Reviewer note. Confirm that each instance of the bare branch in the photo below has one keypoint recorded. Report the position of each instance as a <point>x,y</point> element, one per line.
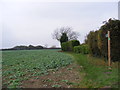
<point>72,35</point>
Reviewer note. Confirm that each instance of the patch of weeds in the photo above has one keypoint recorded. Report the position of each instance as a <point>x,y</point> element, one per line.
<point>66,81</point>
<point>36,78</point>
<point>56,86</point>
<point>47,80</point>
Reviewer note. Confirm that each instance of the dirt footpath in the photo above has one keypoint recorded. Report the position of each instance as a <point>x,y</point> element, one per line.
<point>65,77</point>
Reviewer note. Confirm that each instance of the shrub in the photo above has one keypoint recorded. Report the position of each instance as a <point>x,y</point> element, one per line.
<point>73,43</point>
<point>81,49</point>
<point>64,46</point>
<point>69,46</point>
<point>93,43</point>
<point>77,49</point>
<point>85,49</point>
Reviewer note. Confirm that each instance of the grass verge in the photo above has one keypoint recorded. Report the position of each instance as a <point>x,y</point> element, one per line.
<point>95,72</point>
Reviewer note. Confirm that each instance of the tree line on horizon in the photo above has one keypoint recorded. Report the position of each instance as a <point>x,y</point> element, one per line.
<point>30,47</point>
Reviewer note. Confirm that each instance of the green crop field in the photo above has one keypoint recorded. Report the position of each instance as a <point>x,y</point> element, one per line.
<point>56,69</point>
<point>21,65</point>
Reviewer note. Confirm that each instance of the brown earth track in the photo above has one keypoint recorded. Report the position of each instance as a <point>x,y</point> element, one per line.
<point>65,77</point>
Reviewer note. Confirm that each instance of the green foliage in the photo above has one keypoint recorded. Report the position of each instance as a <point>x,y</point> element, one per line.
<point>26,47</point>
<point>94,74</point>
<point>112,26</point>
<point>64,38</point>
<point>98,42</point>
<point>93,43</point>
<point>64,46</point>
<point>85,49</point>
<point>81,49</point>
<point>77,49</point>
<point>69,46</point>
<point>56,86</point>
<point>17,65</point>
<point>73,43</point>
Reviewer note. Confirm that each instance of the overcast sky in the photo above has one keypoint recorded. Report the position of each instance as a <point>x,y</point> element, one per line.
<point>25,23</point>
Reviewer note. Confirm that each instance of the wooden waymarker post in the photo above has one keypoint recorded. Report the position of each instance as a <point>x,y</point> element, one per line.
<point>109,59</point>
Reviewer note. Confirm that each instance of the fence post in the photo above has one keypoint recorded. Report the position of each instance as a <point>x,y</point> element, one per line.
<point>109,57</point>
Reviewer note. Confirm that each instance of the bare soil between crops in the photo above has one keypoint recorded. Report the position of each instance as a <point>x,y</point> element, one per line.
<point>65,77</point>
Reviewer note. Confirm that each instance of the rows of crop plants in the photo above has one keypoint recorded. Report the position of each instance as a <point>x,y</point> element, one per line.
<point>23,64</point>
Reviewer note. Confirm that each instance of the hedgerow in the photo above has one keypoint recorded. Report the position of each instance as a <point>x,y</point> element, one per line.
<point>69,46</point>
<point>98,42</point>
<point>81,49</point>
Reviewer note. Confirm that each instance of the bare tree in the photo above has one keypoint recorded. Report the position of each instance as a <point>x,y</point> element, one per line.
<point>72,35</point>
